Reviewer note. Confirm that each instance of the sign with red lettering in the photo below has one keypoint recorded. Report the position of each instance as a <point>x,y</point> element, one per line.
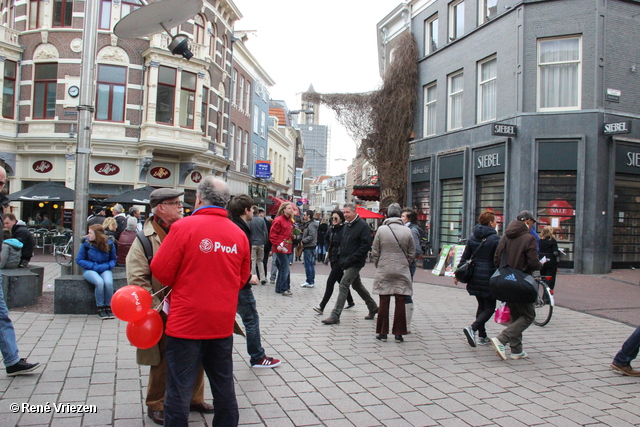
<point>42,166</point>
<point>196,176</point>
<point>160,172</point>
<point>106,169</point>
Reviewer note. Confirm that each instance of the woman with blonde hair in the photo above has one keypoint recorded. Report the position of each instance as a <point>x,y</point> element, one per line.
<point>97,256</point>
<point>282,245</point>
<point>549,248</point>
<point>110,226</point>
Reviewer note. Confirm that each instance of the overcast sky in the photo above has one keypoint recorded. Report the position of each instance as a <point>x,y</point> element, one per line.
<point>331,44</point>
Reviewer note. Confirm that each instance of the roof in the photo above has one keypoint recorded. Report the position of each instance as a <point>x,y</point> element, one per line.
<point>279,113</point>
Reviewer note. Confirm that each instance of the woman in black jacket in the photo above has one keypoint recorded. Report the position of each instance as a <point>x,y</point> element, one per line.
<point>483,269</point>
<point>549,248</point>
<point>334,239</point>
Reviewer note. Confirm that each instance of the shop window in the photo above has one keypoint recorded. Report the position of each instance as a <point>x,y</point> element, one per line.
<point>626,222</point>
<point>36,14</point>
<point>557,207</point>
<point>451,211</point>
<point>490,196</point>
<point>487,90</point>
<point>165,99</point>
<point>456,86</point>
<point>9,89</point>
<point>421,196</point>
<point>559,74</point>
<point>62,13</point>
<point>45,85</point>
<point>456,19</point>
<point>104,21</point>
<point>431,35</point>
<point>187,99</point>
<point>110,100</point>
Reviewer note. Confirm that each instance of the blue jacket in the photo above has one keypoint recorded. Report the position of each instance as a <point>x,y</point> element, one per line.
<point>483,261</point>
<point>91,258</point>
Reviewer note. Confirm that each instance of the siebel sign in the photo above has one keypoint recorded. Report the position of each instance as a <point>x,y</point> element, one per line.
<point>504,130</point>
<point>618,127</point>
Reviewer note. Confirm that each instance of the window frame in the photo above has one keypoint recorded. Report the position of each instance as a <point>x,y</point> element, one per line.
<point>232,142</point>
<point>247,94</point>
<point>63,14</point>
<point>483,11</point>
<point>104,8</point>
<point>428,33</point>
<point>38,21</point>
<point>427,109</point>
<point>239,132</point>
<point>130,5</point>
<point>13,79</point>
<point>450,96</point>
<point>173,103</point>
<point>481,83</point>
<point>234,86</point>
<point>47,83</point>
<point>240,93</point>
<point>190,103</point>
<point>199,29</point>
<point>111,94</point>
<point>539,74</point>
<point>455,32</point>
<point>204,111</point>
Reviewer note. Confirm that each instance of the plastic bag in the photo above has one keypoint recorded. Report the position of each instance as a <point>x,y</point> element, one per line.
<point>503,314</point>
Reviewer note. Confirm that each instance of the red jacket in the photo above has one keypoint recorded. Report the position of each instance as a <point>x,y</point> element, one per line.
<point>205,259</point>
<point>281,229</point>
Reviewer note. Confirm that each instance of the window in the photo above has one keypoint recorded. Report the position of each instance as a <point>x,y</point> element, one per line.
<point>213,43</point>
<point>431,35</point>
<point>110,100</point>
<point>245,148</point>
<point>129,6</point>
<point>456,19</point>
<point>255,157</point>
<point>36,14</point>
<point>256,119</point>
<point>559,74</point>
<point>247,97</point>
<point>232,141</point>
<point>487,10</point>
<point>234,86</point>
<point>240,94</point>
<point>62,12</point>
<point>238,145</point>
<point>456,82</point>
<point>9,89</point>
<point>204,111</point>
<point>165,100</point>
<point>487,73</point>
<point>8,15</point>
<point>198,26</point>
<point>430,94</point>
<point>105,15</point>
<point>263,122</point>
<point>187,99</point>
<point>45,85</point>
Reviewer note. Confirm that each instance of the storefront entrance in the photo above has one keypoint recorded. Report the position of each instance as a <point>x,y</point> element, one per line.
<point>626,222</point>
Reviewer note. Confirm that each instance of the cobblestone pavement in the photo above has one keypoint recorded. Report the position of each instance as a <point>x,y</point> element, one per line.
<point>340,375</point>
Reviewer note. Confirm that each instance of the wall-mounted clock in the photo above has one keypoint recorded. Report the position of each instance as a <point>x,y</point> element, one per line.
<point>73,91</point>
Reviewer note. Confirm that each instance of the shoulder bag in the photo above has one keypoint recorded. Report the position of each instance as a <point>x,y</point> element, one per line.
<point>512,285</point>
<point>394,236</point>
<point>464,273</point>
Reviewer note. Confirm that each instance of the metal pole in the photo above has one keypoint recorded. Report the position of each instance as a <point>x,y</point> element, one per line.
<point>85,116</point>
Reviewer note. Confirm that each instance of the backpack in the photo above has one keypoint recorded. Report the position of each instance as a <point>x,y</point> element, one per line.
<point>422,239</point>
<point>146,245</point>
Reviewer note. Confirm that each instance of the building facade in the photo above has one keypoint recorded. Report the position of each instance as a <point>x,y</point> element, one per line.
<point>530,105</point>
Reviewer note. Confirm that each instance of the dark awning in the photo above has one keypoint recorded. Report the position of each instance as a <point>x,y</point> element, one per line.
<point>367,192</point>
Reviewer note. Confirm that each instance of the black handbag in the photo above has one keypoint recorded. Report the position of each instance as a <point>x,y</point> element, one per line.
<point>509,284</point>
<point>464,273</point>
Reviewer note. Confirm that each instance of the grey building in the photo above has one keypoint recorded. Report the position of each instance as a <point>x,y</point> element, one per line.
<point>529,105</point>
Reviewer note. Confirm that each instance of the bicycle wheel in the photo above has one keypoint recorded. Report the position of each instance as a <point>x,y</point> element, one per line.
<point>63,256</point>
<point>543,306</point>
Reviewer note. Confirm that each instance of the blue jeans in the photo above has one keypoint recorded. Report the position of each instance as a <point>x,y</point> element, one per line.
<point>103,283</point>
<point>321,249</point>
<point>8,344</point>
<point>282,283</point>
<point>251,320</point>
<point>184,357</point>
<point>310,265</point>
<point>628,352</point>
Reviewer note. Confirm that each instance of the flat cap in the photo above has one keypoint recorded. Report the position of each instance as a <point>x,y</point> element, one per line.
<point>524,215</point>
<point>97,209</point>
<point>161,194</point>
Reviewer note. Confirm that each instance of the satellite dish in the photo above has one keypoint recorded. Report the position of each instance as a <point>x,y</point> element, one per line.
<point>155,17</point>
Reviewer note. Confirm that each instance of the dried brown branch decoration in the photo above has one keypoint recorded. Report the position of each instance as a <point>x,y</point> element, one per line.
<point>382,120</point>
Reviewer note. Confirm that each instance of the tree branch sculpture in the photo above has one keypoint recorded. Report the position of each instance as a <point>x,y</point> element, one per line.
<point>382,120</point>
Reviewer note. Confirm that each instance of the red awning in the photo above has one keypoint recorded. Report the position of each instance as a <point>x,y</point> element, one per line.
<point>367,192</point>
<point>366,213</point>
<point>277,201</point>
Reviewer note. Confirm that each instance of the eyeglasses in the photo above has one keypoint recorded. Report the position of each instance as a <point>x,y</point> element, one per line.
<point>177,203</point>
<point>335,218</point>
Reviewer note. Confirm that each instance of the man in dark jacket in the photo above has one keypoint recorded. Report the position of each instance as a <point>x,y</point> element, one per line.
<point>356,242</point>
<point>240,209</point>
<point>259,237</point>
<point>98,216</point>
<point>309,241</point>
<point>20,231</point>
<point>522,254</point>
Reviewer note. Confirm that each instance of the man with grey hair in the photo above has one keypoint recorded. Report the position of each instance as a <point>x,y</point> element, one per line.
<point>356,242</point>
<point>202,313</point>
<point>121,219</point>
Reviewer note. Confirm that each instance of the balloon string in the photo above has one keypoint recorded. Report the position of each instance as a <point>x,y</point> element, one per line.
<point>165,297</point>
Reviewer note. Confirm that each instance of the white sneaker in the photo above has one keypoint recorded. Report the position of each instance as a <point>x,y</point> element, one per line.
<point>304,285</point>
<point>499,348</point>
<point>516,356</point>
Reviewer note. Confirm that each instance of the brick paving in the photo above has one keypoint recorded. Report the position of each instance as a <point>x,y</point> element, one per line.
<point>340,375</point>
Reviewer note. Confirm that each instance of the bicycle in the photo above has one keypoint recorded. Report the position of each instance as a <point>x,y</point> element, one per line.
<point>64,253</point>
<point>544,303</point>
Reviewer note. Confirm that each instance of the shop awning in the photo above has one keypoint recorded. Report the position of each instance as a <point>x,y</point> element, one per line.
<point>367,192</point>
<point>277,201</point>
<point>366,213</point>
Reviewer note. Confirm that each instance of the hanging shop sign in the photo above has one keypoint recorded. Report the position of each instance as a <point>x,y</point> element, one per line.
<point>502,129</point>
<point>196,176</point>
<point>263,169</point>
<point>160,172</point>
<point>106,169</point>
<point>42,166</point>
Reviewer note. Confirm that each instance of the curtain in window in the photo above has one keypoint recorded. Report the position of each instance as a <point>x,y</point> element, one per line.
<point>488,90</point>
<point>430,122</point>
<point>559,73</point>
<point>456,101</point>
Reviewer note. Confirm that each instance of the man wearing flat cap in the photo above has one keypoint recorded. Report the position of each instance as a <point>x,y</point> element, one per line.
<point>528,218</point>
<point>98,216</point>
<point>166,208</point>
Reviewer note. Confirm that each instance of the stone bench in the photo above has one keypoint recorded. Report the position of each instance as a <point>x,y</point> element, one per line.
<point>36,269</point>
<point>20,287</point>
<point>74,295</point>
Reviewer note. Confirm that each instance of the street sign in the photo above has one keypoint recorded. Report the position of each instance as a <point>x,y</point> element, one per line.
<point>263,169</point>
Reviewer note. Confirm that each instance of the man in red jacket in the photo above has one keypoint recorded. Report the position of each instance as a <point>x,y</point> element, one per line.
<point>205,261</point>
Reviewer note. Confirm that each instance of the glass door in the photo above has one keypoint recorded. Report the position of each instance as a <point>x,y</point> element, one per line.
<point>626,222</point>
<point>557,207</point>
<point>490,196</point>
<point>451,211</point>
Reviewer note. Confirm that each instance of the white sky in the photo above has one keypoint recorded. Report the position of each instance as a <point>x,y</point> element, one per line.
<point>331,44</point>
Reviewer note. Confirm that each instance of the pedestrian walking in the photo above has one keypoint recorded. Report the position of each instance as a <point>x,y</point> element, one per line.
<point>281,236</point>
<point>259,237</point>
<point>628,352</point>
<point>549,249</point>
<point>309,243</point>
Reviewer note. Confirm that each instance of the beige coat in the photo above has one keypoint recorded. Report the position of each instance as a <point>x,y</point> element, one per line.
<point>392,259</point>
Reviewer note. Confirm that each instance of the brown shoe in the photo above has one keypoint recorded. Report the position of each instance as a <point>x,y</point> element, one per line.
<point>625,370</point>
<point>156,416</point>
<point>371,315</point>
<point>331,321</point>
<point>203,408</point>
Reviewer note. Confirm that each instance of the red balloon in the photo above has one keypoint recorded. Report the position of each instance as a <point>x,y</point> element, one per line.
<point>146,332</point>
<point>131,303</point>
